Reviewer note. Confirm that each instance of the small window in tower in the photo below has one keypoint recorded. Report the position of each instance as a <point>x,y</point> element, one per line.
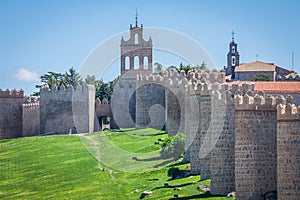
<point>136,38</point>
<point>233,49</point>
<point>136,62</point>
<point>146,63</point>
<point>127,63</point>
<point>233,61</point>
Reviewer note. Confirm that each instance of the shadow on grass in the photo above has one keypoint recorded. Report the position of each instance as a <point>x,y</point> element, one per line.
<point>176,164</point>
<point>167,161</point>
<point>173,186</point>
<point>198,196</point>
<point>155,134</point>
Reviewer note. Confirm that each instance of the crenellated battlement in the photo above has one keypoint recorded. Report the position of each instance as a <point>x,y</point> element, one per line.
<point>31,99</point>
<point>104,101</point>
<point>288,112</point>
<point>241,88</point>
<point>149,78</point>
<point>79,88</point>
<point>65,93</point>
<point>256,102</point>
<point>31,105</point>
<point>198,75</point>
<point>11,93</point>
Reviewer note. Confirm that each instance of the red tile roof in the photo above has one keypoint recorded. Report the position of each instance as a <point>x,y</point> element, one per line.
<point>273,87</point>
<point>256,67</point>
<point>284,87</point>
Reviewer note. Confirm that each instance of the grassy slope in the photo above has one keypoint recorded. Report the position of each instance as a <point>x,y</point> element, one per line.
<point>60,167</point>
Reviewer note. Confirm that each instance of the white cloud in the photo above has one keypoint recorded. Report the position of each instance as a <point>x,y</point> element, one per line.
<point>24,74</point>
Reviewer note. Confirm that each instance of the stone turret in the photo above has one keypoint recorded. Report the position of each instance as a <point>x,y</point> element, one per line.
<point>222,137</point>
<point>31,119</point>
<point>255,145</point>
<point>288,150</point>
<point>11,113</point>
<point>67,108</point>
<point>150,101</point>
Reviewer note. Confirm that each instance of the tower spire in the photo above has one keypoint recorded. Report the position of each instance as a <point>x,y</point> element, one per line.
<point>136,17</point>
<point>232,33</point>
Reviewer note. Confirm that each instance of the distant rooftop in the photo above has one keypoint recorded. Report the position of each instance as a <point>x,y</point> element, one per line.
<point>273,87</point>
<point>256,66</point>
<point>284,87</point>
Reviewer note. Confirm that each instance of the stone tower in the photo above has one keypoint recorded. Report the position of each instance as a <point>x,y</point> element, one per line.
<point>233,58</point>
<point>11,113</point>
<point>255,145</point>
<point>136,59</point>
<point>136,53</point>
<point>288,150</point>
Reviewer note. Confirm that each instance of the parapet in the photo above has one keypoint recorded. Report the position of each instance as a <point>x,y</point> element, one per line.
<point>31,105</point>
<point>143,78</point>
<point>288,112</point>
<point>63,93</point>
<point>11,93</point>
<point>243,87</point>
<point>256,102</point>
<point>31,99</point>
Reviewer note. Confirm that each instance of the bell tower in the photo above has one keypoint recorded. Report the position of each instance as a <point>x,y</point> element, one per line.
<point>136,53</point>
<point>233,58</point>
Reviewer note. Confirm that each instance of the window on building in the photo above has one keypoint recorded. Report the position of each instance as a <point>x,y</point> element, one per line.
<point>146,64</point>
<point>233,61</point>
<point>136,62</point>
<point>233,49</point>
<point>136,38</point>
<point>127,62</point>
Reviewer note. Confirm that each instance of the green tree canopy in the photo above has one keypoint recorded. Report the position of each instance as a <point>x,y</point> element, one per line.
<point>173,147</point>
<point>261,77</point>
<point>72,77</point>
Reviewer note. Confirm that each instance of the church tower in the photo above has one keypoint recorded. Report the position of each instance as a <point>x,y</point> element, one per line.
<point>233,58</point>
<point>136,53</point>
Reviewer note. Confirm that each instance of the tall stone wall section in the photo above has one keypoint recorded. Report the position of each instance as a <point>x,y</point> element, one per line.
<point>175,100</point>
<point>255,145</point>
<point>192,125</point>
<point>288,151</point>
<point>11,113</point>
<point>198,119</point>
<point>222,138</point>
<point>67,108</point>
<point>124,103</point>
<point>104,109</point>
<point>31,119</point>
<point>150,102</point>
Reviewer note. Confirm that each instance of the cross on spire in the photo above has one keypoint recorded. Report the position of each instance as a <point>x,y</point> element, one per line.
<point>232,33</point>
<point>136,17</point>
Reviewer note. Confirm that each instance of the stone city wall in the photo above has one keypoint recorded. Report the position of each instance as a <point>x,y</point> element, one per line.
<point>11,113</point>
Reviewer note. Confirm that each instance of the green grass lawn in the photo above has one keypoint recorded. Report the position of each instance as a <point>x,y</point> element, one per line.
<point>71,167</point>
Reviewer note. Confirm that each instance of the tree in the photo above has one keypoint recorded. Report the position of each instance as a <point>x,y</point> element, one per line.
<point>105,90</point>
<point>90,80</point>
<point>158,69</point>
<point>261,77</point>
<point>187,68</point>
<point>53,79</point>
<point>72,77</point>
<point>173,147</point>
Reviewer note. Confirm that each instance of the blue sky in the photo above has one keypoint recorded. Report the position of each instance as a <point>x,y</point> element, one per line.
<point>51,35</point>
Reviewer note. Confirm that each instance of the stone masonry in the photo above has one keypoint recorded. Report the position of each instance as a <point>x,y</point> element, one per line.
<point>150,102</point>
<point>255,146</point>
<point>67,108</point>
<point>288,151</point>
<point>11,113</point>
<point>31,119</point>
